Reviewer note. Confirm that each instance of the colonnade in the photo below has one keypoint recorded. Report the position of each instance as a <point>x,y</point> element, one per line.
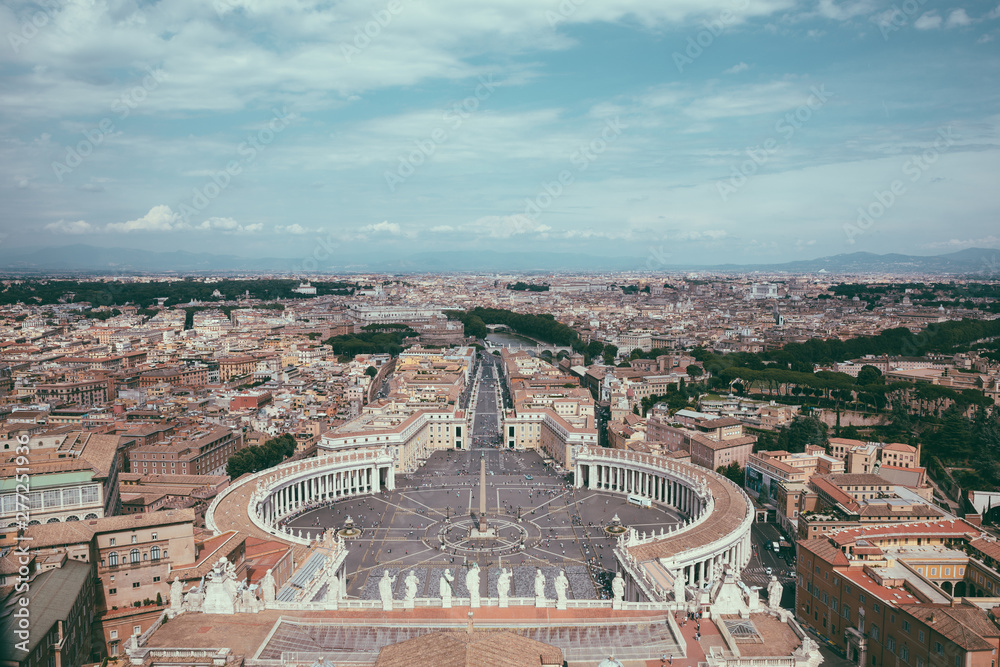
<point>325,486</point>
<point>704,497</point>
<point>652,486</point>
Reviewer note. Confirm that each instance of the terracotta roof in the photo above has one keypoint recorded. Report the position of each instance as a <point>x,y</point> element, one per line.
<point>825,550</point>
<point>967,625</point>
<point>469,649</point>
<point>78,532</point>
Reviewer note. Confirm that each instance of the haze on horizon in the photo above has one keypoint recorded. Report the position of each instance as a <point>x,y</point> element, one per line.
<point>713,130</point>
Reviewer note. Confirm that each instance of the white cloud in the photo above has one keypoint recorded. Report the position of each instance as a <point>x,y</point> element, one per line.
<point>294,228</point>
<point>442,229</point>
<point>75,227</point>
<point>843,11</point>
<point>990,241</point>
<point>702,235</point>
<point>159,219</point>
<point>228,226</point>
<point>737,68</point>
<point>958,18</point>
<point>928,21</point>
<point>384,228</point>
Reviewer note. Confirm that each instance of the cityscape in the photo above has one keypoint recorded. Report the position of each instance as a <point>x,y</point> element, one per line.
<point>560,333</point>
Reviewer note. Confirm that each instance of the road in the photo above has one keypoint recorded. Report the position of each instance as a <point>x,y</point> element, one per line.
<point>763,536</point>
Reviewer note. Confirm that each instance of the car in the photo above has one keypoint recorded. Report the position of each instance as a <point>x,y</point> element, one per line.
<point>529,477</point>
<point>768,570</point>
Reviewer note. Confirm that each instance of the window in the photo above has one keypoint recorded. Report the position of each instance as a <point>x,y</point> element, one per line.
<point>135,538</point>
<point>847,588</point>
<point>113,559</point>
<point>862,599</point>
<point>155,579</point>
<point>938,648</point>
<point>135,584</point>
<point>876,608</point>
<point>904,653</point>
<point>906,625</point>
<point>114,634</point>
<point>153,536</point>
<point>112,542</point>
<point>874,631</point>
<point>154,553</point>
<point>891,644</point>
<point>112,591</point>
<point>133,556</point>
<point>137,629</point>
<point>920,636</point>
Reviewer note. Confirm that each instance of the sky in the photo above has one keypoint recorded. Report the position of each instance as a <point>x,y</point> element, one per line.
<point>684,131</point>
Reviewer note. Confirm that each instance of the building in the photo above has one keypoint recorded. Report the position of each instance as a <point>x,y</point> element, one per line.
<point>195,450</point>
<point>58,605</point>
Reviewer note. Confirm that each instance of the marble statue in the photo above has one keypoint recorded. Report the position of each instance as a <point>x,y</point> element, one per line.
<point>472,583</point>
<point>176,597</point>
<point>267,587</point>
<point>679,587</point>
<point>539,588</point>
<point>411,582</point>
<point>617,591</point>
<point>385,590</point>
<point>774,591</point>
<point>220,590</point>
<point>332,586</point>
<point>445,589</point>
<point>562,584</point>
<point>503,586</point>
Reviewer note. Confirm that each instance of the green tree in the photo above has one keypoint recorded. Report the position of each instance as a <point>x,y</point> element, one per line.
<point>870,375</point>
<point>732,471</point>
<point>371,371</point>
<point>694,371</point>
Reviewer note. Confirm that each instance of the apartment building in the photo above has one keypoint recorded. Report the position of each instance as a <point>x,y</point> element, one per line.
<point>192,450</point>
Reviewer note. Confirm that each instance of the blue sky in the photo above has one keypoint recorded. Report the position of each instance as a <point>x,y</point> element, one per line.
<point>701,131</point>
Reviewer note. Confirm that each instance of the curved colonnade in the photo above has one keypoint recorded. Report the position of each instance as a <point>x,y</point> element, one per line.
<point>266,499</point>
<point>716,535</point>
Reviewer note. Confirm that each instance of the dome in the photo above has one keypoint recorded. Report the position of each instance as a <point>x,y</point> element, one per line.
<point>609,662</point>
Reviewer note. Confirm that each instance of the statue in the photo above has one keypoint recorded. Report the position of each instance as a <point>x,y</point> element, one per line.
<point>176,597</point>
<point>267,587</point>
<point>220,590</point>
<point>679,587</point>
<point>445,589</point>
<point>411,583</point>
<point>503,587</point>
<point>472,583</point>
<point>561,584</point>
<point>539,588</point>
<point>385,590</point>
<point>332,586</point>
<point>774,591</point>
<point>618,591</point>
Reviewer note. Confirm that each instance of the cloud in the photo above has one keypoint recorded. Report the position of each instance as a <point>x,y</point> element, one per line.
<point>506,226</point>
<point>228,226</point>
<point>990,241</point>
<point>442,229</point>
<point>737,68</point>
<point>702,235</point>
<point>76,227</point>
<point>958,18</point>
<point>384,228</point>
<point>844,11</point>
<point>294,228</point>
<point>159,219</point>
<point>928,21</point>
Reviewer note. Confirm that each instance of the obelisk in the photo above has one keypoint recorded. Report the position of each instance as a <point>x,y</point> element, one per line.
<point>482,494</point>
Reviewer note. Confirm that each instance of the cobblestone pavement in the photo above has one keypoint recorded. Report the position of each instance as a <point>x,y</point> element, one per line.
<point>423,525</point>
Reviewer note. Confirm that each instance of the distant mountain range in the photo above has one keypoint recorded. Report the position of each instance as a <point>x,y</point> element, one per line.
<point>85,259</point>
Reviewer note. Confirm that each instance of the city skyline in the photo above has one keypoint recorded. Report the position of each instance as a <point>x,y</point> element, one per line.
<point>712,132</point>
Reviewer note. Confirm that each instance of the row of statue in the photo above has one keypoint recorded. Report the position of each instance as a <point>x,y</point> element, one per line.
<point>472,577</point>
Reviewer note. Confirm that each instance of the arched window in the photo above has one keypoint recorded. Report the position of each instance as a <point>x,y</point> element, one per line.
<point>133,556</point>
<point>113,559</point>
<point>154,553</point>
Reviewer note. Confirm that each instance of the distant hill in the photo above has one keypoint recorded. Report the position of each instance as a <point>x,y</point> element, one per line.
<point>82,259</point>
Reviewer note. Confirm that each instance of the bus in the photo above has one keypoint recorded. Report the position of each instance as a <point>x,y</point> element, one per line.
<point>640,501</point>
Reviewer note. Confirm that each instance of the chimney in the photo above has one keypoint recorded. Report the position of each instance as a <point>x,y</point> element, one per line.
<point>468,628</point>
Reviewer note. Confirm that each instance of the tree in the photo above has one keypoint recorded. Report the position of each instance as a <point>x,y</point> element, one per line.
<point>869,375</point>
<point>694,371</point>
<point>610,352</point>
<point>371,372</point>
<point>733,471</point>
